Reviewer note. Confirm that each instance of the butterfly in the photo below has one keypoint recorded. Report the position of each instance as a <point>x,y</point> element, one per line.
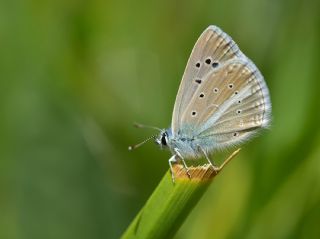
<point>222,101</point>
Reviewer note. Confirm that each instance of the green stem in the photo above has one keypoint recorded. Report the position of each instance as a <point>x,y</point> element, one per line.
<point>171,203</point>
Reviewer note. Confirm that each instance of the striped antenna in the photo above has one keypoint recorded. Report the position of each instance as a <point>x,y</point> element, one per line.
<point>132,147</point>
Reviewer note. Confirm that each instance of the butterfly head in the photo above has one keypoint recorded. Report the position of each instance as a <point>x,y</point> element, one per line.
<point>163,138</point>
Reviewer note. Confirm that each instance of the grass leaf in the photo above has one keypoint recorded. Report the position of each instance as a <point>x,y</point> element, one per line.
<point>171,203</point>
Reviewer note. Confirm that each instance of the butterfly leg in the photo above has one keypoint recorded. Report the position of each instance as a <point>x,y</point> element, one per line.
<point>215,168</point>
<point>183,162</point>
<point>172,160</point>
<point>218,168</point>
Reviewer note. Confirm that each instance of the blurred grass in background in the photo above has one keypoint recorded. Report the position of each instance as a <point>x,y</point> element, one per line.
<point>74,77</point>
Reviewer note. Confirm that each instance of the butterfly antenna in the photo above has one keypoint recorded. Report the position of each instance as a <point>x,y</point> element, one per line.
<point>137,125</point>
<point>132,147</point>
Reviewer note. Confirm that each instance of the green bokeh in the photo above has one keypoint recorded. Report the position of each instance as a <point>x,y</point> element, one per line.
<point>76,74</point>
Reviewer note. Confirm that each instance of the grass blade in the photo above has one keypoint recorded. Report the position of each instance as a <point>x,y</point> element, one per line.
<point>171,203</point>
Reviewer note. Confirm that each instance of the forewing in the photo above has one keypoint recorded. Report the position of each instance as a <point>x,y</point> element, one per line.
<point>212,50</point>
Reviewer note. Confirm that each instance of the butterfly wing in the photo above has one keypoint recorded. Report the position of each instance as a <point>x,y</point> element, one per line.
<point>230,102</point>
<point>212,49</point>
<point>242,105</point>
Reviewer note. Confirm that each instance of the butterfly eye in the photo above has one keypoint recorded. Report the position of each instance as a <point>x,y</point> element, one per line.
<point>201,95</point>
<point>164,139</point>
<point>215,90</point>
<point>236,92</point>
<point>235,134</point>
<point>198,64</point>
<point>230,86</point>
<point>239,101</point>
<point>238,111</point>
<point>193,113</point>
<point>208,61</point>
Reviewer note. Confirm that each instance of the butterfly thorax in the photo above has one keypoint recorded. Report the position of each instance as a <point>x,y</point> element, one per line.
<point>186,146</point>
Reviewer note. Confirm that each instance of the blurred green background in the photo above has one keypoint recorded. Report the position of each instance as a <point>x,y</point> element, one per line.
<point>74,77</point>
